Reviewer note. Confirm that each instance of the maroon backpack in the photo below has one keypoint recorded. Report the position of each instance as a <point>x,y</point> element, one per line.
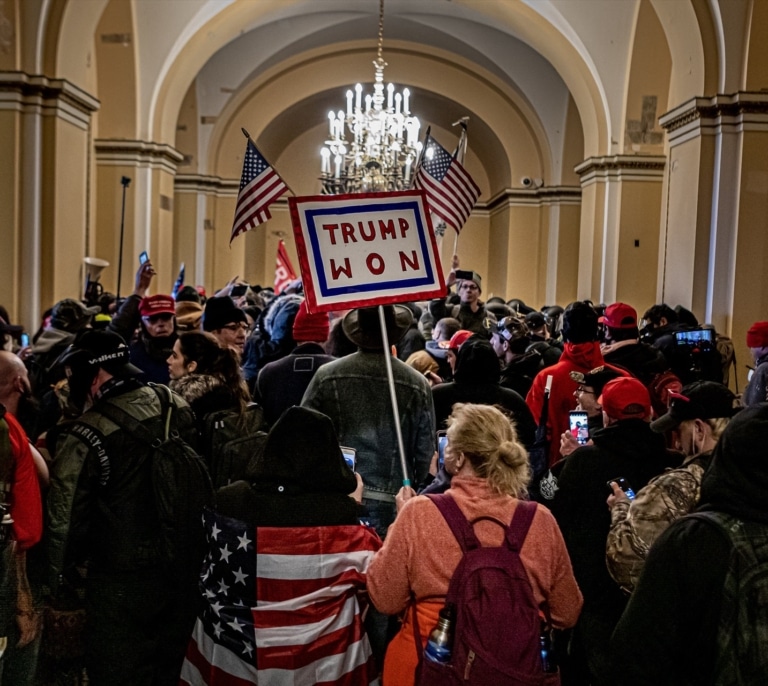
<point>497,629</point>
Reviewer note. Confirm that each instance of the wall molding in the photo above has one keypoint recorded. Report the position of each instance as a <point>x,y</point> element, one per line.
<point>621,168</point>
<point>50,97</point>
<point>741,111</point>
<point>122,152</point>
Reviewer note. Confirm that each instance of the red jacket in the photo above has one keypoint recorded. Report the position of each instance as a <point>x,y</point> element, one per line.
<point>576,357</point>
<point>26,504</point>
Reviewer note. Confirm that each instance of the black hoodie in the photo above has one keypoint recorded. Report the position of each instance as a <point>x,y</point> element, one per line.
<point>476,380</point>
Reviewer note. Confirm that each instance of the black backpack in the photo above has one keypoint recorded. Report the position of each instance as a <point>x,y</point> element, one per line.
<point>742,634</point>
<point>181,486</point>
<point>230,441</point>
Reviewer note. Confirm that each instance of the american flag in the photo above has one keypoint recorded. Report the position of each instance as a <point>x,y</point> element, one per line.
<point>282,607</point>
<point>451,192</point>
<point>260,186</point>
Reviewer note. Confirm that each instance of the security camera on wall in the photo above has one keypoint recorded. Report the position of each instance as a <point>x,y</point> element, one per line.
<point>528,182</point>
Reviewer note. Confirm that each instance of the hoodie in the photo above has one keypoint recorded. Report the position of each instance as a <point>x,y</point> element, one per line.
<point>576,357</point>
<point>476,380</point>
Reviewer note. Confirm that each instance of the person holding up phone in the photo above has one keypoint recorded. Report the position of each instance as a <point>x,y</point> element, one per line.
<point>471,312</point>
<point>625,447</point>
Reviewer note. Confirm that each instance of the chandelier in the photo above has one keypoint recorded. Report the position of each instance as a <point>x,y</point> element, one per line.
<point>371,147</point>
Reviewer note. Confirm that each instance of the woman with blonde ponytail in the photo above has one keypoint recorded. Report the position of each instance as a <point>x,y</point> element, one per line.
<point>491,472</point>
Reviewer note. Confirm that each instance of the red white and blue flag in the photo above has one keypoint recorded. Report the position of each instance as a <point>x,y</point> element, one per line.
<point>451,192</point>
<point>284,271</point>
<point>260,186</point>
<point>282,607</point>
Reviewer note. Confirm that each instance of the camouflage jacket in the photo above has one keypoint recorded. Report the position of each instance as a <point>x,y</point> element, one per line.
<point>637,524</point>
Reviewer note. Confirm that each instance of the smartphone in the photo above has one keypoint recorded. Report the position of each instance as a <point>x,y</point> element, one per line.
<point>143,258</point>
<point>579,426</point>
<point>463,275</point>
<point>349,457</point>
<point>24,340</point>
<point>623,485</point>
<point>239,290</point>
<point>442,441</point>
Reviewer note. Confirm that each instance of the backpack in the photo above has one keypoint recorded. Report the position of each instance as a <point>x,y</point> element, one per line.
<point>659,389</point>
<point>727,352</point>
<point>496,637</point>
<point>230,441</point>
<point>742,634</point>
<point>180,483</point>
<point>538,454</point>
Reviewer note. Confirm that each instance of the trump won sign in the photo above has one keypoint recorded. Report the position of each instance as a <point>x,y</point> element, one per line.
<point>366,249</point>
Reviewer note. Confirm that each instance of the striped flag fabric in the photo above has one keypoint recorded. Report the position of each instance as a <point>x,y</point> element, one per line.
<point>451,192</point>
<point>284,271</point>
<point>282,607</point>
<point>260,186</point>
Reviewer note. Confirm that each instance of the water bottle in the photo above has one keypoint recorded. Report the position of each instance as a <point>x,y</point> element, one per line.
<point>440,643</point>
<point>548,663</point>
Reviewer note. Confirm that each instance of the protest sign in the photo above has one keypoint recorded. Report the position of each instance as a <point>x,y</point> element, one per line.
<point>366,249</point>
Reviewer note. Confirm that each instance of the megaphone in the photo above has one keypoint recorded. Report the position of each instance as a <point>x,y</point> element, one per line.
<point>93,268</point>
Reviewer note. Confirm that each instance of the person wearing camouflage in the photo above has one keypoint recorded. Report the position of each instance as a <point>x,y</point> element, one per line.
<point>698,615</point>
<point>699,414</point>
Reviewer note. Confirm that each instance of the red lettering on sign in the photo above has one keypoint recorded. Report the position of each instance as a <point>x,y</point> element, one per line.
<point>348,232</point>
<point>369,262</point>
<point>387,228</point>
<point>372,231</point>
<point>403,226</point>
<point>345,269</point>
<point>413,263</point>
<point>331,229</point>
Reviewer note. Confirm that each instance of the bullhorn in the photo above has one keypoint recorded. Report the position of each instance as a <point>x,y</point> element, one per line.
<point>93,267</point>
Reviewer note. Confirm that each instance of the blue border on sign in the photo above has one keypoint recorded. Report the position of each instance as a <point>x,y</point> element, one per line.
<point>311,217</point>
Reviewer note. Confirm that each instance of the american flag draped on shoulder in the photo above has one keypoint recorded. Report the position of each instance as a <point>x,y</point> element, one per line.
<point>282,607</point>
<point>260,186</point>
<point>451,192</point>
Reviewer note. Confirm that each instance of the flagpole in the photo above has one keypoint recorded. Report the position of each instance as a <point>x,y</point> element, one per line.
<point>393,396</point>
<point>458,155</point>
<point>125,181</point>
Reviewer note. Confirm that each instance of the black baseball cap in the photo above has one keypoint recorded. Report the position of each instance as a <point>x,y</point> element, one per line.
<point>595,378</point>
<point>699,400</point>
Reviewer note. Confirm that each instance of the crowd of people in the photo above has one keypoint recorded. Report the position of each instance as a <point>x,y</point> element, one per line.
<point>214,490</point>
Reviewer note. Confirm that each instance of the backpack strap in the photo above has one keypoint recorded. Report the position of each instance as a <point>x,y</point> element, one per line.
<point>133,426</point>
<point>521,522</point>
<point>456,520</point>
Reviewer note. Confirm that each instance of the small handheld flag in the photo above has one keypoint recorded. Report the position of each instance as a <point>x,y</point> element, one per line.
<point>260,186</point>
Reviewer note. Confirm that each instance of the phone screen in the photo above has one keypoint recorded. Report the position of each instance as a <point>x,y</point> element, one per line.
<point>442,441</point>
<point>239,290</point>
<point>143,257</point>
<point>349,457</point>
<point>623,484</point>
<point>24,340</point>
<point>579,426</point>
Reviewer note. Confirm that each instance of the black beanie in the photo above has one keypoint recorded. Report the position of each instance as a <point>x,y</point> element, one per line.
<point>221,311</point>
<point>579,323</point>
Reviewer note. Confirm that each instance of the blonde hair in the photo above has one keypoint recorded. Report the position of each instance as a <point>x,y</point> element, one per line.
<point>488,439</point>
<point>717,424</point>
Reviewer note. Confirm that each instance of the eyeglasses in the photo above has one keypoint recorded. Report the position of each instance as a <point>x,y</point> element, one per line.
<point>581,389</point>
<point>469,285</point>
<point>242,326</point>
<point>162,317</point>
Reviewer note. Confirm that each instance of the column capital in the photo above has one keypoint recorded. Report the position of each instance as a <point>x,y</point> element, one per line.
<point>621,168</point>
<point>121,152</point>
<point>24,92</point>
<point>744,110</point>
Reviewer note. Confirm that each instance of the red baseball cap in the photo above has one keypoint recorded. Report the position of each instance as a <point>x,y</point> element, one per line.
<point>620,316</point>
<point>157,304</point>
<point>625,398</point>
<point>457,340</point>
<point>757,336</point>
